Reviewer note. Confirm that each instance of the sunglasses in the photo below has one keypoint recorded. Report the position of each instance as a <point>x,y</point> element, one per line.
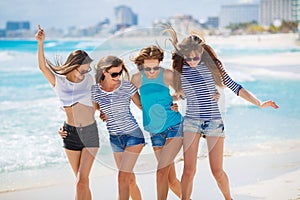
<point>83,72</point>
<point>148,69</point>
<point>196,58</point>
<point>116,74</point>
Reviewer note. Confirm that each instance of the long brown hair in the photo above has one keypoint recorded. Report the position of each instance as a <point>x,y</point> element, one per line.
<point>194,42</point>
<point>150,52</point>
<point>74,60</point>
<point>107,63</point>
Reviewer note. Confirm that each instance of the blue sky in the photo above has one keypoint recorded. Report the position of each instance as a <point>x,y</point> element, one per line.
<point>80,13</point>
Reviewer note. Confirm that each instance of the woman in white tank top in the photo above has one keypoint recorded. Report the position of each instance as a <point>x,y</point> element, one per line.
<point>72,84</point>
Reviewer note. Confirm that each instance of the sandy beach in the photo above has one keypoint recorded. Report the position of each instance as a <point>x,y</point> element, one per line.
<point>270,172</point>
<point>269,176</point>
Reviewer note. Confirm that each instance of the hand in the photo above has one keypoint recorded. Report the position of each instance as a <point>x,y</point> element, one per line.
<point>216,96</point>
<point>269,103</point>
<point>63,134</point>
<point>40,35</point>
<point>179,96</point>
<point>174,107</point>
<point>103,116</point>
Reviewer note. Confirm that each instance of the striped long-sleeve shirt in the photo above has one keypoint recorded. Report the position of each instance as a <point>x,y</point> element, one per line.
<point>116,105</point>
<point>199,87</point>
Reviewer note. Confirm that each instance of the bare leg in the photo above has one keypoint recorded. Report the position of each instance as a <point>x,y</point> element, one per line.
<point>174,183</point>
<point>165,157</point>
<point>125,162</point>
<point>86,161</point>
<point>135,192</point>
<point>190,148</point>
<point>74,159</point>
<point>215,148</point>
<point>81,163</point>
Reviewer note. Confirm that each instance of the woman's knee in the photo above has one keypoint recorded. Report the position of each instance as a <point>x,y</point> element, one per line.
<point>218,173</point>
<point>124,177</point>
<point>173,182</point>
<point>189,171</point>
<point>82,183</point>
<point>162,173</point>
<point>132,180</point>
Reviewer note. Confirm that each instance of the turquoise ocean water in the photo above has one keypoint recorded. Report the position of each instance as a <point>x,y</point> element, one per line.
<point>30,115</point>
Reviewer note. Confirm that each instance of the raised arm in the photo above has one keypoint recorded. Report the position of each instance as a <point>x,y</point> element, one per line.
<point>40,37</point>
<point>252,99</point>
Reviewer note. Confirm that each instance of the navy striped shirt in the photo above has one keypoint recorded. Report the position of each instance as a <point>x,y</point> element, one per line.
<point>199,87</point>
<point>116,105</point>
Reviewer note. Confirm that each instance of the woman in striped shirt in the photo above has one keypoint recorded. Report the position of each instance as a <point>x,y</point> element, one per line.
<point>113,96</point>
<point>199,71</point>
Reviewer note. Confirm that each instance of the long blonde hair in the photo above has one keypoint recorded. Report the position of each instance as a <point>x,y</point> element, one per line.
<point>107,63</point>
<point>74,60</point>
<point>194,42</point>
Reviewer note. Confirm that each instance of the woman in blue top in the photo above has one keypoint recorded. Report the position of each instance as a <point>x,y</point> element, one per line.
<point>72,84</point>
<point>159,118</point>
<point>199,71</point>
<point>126,138</point>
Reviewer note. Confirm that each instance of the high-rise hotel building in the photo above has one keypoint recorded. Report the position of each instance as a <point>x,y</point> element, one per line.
<point>238,13</point>
<point>272,10</point>
<point>124,17</point>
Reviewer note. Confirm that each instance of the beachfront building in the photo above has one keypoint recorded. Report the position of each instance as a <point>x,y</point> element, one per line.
<point>184,23</point>
<point>238,13</point>
<point>17,25</point>
<point>181,23</point>
<point>17,29</point>
<point>296,10</point>
<point>272,11</point>
<point>212,22</point>
<point>124,17</point>
<point>2,33</point>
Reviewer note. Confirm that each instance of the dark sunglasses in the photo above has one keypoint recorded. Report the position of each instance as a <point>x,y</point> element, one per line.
<point>192,59</point>
<point>116,74</point>
<point>83,72</point>
<point>148,69</point>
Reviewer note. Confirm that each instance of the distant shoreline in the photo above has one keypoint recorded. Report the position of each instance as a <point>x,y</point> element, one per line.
<point>268,40</point>
<point>251,39</point>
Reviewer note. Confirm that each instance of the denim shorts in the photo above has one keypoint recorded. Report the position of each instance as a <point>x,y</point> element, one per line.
<point>81,137</point>
<point>213,128</point>
<point>119,143</point>
<point>159,139</point>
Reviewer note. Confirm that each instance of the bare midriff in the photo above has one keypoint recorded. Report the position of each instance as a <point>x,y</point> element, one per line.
<point>80,115</point>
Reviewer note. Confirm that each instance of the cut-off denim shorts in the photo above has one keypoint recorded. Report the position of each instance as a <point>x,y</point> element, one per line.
<point>159,139</point>
<point>214,128</point>
<point>81,137</point>
<point>119,143</point>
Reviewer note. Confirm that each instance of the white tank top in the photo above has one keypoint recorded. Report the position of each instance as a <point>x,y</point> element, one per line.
<point>70,93</point>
